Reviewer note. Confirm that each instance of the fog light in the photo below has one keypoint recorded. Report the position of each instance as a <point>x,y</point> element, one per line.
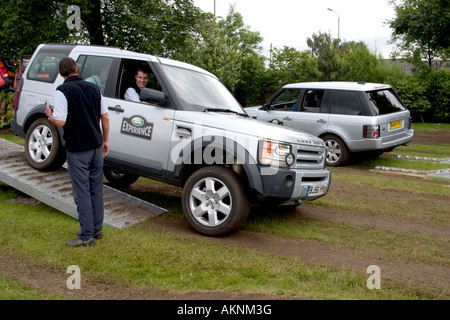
<point>288,181</point>
<point>290,159</point>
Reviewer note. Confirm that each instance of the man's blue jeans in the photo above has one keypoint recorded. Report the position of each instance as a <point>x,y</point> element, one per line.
<point>86,174</point>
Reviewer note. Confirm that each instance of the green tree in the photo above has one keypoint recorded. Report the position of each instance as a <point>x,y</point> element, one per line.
<point>230,50</point>
<point>348,61</point>
<point>421,30</point>
<point>250,63</point>
<point>25,24</point>
<point>326,49</point>
<point>412,92</point>
<point>170,28</point>
<point>148,26</point>
<point>156,27</point>
<point>252,80</point>
<point>357,63</point>
<point>438,93</point>
<point>289,65</point>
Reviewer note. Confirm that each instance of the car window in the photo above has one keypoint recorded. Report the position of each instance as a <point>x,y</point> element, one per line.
<point>286,100</point>
<point>312,100</point>
<point>45,66</point>
<point>346,102</point>
<point>95,69</point>
<point>127,76</point>
<point>384,102</point>
<point>200,91</point>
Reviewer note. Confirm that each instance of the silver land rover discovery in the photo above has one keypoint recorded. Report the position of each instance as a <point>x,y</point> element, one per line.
<point>187,130</point>
<point>350,117</point>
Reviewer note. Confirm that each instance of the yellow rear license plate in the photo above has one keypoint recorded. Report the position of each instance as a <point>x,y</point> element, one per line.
<point>396,124</point>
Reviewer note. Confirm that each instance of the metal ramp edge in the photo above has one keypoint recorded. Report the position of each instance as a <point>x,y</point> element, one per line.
<point>55,189</point>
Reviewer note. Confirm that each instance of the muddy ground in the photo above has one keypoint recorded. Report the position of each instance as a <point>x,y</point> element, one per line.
<point>47,278</point>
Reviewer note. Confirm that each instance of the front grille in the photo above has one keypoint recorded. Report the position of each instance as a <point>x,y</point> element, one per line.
<point>309,157</point>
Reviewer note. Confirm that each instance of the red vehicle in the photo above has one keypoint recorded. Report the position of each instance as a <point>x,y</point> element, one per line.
<point>7,73</point>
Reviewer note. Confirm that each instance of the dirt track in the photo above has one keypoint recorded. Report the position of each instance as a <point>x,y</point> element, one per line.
<point>47,278</point>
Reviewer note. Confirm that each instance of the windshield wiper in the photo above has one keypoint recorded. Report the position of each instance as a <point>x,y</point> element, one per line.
<point>225,110</point>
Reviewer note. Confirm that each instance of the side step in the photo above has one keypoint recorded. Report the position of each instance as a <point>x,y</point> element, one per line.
<point>55,189</point>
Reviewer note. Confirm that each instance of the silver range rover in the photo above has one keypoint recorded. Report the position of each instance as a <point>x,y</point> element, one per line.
<point>350,117</point>
<point>186,130</point>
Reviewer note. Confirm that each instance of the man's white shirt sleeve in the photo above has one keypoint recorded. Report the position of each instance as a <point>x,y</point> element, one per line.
<point>132,95</point>
<point>60,108</point>
<point>102,106</point>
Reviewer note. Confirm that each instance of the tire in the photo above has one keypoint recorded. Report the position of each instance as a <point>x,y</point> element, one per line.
<point>337,154</point>
<point>214,201</point>
<point>118,178</point>
<point>43,148</point>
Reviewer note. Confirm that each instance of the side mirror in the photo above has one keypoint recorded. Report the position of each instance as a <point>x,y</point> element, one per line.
<point>265,106</point>
<point>153,96</point>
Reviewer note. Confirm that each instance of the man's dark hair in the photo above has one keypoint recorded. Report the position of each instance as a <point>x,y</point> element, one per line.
<point>67,66</point>
<point>144,68</point>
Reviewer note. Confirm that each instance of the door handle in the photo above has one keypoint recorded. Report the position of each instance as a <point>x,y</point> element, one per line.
<point>183,132</point>
<point>321,121</point>
<point>287,118</point>
<point>116,109</point>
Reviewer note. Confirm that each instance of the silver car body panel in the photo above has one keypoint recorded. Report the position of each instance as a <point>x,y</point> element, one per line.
<point>348,127</point>
<point>162,132</point>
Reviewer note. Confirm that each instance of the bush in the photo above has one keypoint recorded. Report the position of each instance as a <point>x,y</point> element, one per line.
<point>412,92</point>
<point>438,93</point>
<point>426,95</point>
<point>6,112</point>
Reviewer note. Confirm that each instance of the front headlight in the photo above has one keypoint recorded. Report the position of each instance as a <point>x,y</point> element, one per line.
<point>275,153</point>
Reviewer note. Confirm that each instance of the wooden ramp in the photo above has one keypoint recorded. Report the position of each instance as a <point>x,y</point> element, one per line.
<point>55,189</point>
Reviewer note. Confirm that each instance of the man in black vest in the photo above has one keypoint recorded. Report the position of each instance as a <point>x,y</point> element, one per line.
<point>141,77</point>
<point>79,109</point>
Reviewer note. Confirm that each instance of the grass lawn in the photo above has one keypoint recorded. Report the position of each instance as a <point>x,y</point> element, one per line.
<point>364,214</point>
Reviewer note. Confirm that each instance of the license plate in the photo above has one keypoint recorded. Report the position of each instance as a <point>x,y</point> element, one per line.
<point>316,190</point>
<point>396,124</point>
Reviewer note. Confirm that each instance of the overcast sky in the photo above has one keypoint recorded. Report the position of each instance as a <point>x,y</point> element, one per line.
<point>291,22</point>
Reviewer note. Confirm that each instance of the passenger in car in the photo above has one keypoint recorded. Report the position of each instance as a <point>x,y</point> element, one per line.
<point>141,77</point>
<point>100,78</point>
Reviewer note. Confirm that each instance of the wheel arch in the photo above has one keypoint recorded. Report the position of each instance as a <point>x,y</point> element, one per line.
<point>334,133</point>
<point>249,175</point>
<point>345,154</point>
<point>36,113</point>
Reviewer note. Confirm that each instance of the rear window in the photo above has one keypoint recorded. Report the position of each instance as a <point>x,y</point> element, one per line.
<point>384,102</point>
<point>45,67</point>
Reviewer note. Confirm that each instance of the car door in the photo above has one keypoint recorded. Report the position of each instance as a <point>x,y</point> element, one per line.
<point>279,110</point>
<point>311,112</point>
<point>138,131</point>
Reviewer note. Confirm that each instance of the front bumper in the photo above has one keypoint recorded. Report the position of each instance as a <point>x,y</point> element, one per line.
<point>294,186</point>
<point>311,185</point>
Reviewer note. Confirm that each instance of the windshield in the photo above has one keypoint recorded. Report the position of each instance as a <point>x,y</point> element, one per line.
<point>198,91</point>
<point>385,101</point>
